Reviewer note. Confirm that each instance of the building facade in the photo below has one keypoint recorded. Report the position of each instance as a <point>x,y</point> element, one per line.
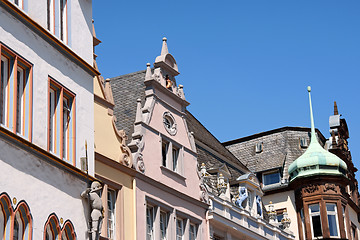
<point>306,177</point>
<point>168,195</point>
<point>45,118</point>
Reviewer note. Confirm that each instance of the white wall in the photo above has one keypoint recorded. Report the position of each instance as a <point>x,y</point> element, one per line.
<point>45,188</point>
<point>47,61</point>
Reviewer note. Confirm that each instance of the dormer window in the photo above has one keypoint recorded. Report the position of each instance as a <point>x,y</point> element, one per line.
<point>303,142</point>
<point>259,147</point>
<point>270,178</point>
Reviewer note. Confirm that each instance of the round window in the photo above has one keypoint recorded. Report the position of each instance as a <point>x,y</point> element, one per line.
<point>169,123</point>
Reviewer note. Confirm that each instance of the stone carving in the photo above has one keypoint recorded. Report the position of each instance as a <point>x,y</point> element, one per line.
<point>126,156</point>
<point>243,195</point>
<point>258,205</point>
<point>330,186</point>
<point>138,158</point>
<point>311,188</point>
<point>202,174</point>
<point>93,196</point>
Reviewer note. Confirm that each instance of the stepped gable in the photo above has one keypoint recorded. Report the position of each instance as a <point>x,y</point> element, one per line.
<point>126,90</point>
<point>280,147</point>
<point>220,156</point>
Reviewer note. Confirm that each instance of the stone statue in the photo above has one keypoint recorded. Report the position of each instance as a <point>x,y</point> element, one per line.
<point>96,207</point>
<point>243,195</point>
<point>258,205</point>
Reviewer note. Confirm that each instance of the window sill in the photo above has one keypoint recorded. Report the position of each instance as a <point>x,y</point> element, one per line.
<point>178,175</point>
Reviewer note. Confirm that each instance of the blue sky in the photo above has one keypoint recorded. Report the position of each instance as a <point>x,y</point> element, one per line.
<point>245,65</point>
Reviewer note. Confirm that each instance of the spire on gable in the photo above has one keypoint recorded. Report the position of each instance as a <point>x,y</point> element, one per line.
<point>164,49</point>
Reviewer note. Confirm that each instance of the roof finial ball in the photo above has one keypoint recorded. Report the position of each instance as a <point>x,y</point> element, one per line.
<point>164,39</point>
<point>309,89</point>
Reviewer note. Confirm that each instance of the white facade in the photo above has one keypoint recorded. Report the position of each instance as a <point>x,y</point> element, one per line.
<point>40,161</point>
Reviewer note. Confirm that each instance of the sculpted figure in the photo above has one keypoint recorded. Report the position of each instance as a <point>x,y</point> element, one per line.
<point>258,205</point>
<point>243,195</point>
<point>93,196</point>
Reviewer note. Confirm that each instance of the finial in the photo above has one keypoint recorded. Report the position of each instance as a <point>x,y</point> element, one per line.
<point>313,135</point>
<point>336,112</point>
<point>138,117</point>
<point>164,49</point>
<point>148,72</point>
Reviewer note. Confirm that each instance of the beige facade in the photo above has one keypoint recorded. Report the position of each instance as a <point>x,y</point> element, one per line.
<point>112,167</point>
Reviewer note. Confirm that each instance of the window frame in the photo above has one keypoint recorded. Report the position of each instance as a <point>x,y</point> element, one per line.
<point>9,94</point>
<point>195,227</point>
<point>54,141</point>
<point>268,174</point>
<point>151,210</point>
<point>335,214</point>
<point>181,227</point>
<point>111,230</point>
<point>57,19</point>
<point>315,214</point>
<point>164,224</point>
<point>168,148</point>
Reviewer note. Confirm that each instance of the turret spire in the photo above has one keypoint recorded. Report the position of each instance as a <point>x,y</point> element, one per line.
<point>313,136</point>
<point>164,49</point>
<point>336,112</point>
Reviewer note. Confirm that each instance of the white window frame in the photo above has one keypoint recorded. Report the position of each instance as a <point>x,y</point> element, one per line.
<point>150,219</point>
<point>111,214</point>
<point>270,173</point>
<point>315,214</point>
<point>164,218</point>
<point>335,214</point>
<point>193,230</point>
<point>172,149</point>
<point>180,228</point>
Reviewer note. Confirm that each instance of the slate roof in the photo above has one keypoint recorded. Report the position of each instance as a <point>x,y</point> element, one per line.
<point>126,90</point>
<point>280,148</point>
<point>211,160</point>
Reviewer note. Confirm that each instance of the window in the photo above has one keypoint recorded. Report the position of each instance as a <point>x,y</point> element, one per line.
<point>175,158</point>
<point>111,199</point>
<point>271,178</point>
<point>164,152</point>
<point>192,231</point>
<point>52,230</point>
<point>171,156</point>
<point>179,229</point>
<point>303,142</point>
<point>19,3</point>
<point>353,231</point>
<point>150,223</point>
<point>332,219</point>
<point>57,18</point>
<point>315,220</point>
<point>259,147</point>
<point>15,93</point>
<point>61,135</point>
<point>163,225</point>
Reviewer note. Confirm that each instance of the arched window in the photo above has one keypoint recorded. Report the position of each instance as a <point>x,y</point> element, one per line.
<point>52,230</point>
<point>52,227</point>
<point>67,232</point>
<point>6,212</point>
<point>22,222</point>
<point>14,225</point>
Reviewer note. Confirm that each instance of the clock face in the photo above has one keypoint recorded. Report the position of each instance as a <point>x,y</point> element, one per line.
<point>169,123</point>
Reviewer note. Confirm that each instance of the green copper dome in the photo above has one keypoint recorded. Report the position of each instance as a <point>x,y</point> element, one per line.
<point>316,160</point>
